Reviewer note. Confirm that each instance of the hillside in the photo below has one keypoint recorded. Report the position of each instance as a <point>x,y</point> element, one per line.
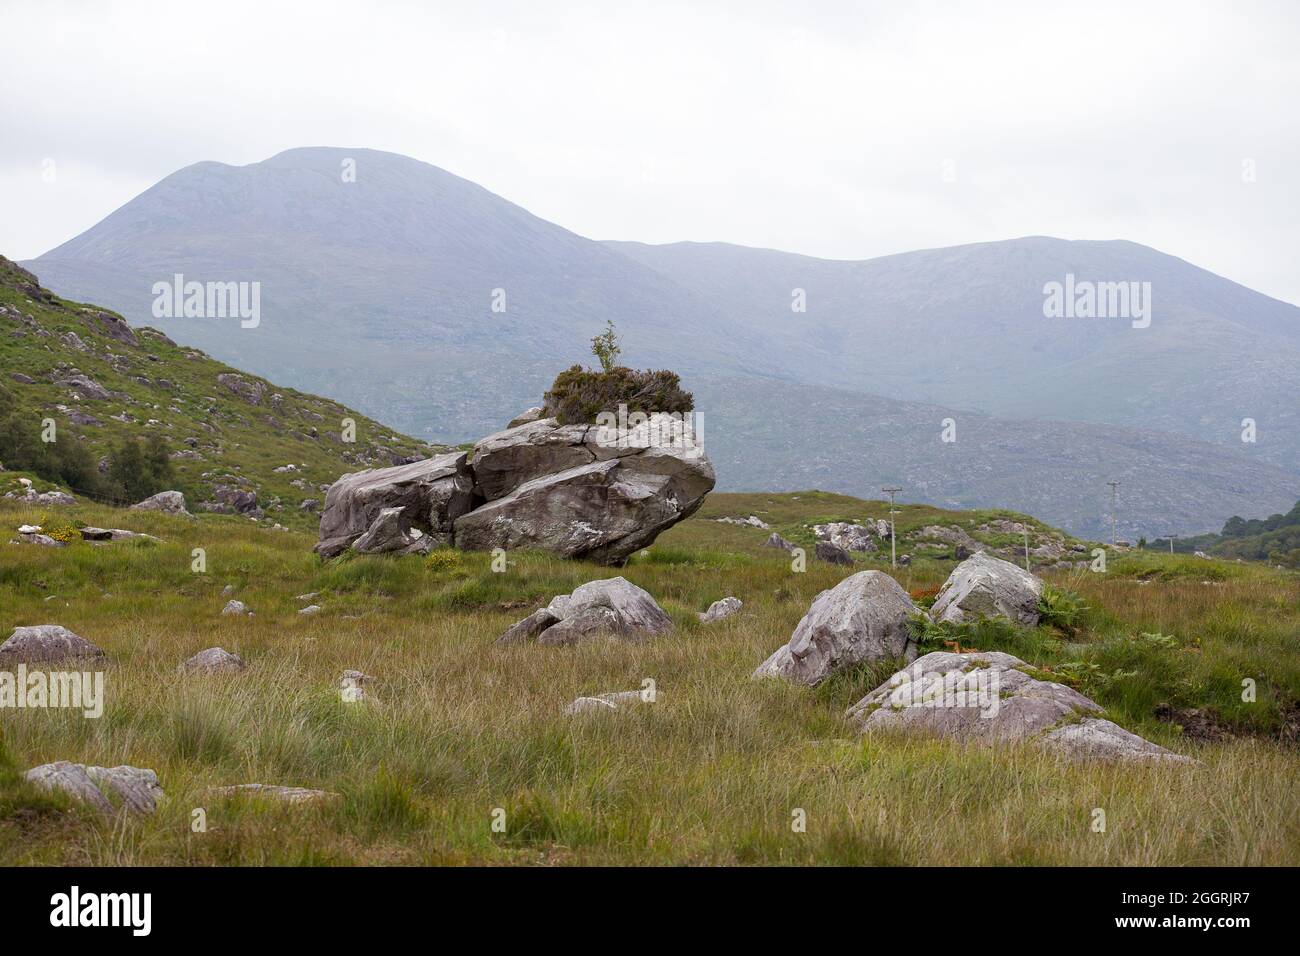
<point>454,728</point>
<point>229,434</point>
<point>1275,539</point>
<point>378,292</point>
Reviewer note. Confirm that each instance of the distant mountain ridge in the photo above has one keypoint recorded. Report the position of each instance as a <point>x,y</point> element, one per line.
<point>380,293</point>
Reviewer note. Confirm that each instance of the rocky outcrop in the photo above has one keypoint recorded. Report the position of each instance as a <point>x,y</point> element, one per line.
<point>168,502</point>
<point>992,698</point>
<point>274,792</point>
<point>428,496</point>
<point>984,586</point>
<point>849,537</point>
<point>863,618</point>
<point>531,415</point>
<point>46,644</point>
<point>613,607</point>
<point>583,491</point>
<point>774,540</point>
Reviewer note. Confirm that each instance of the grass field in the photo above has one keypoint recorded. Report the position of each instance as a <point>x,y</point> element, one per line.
<point>458,732</point>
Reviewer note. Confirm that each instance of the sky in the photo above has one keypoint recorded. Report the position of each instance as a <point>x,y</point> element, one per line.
<point>842,130</point>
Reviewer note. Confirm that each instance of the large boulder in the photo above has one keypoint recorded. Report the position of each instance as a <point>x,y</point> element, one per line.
<point>430,495</point>
<point>584,491</point>
<point>990,697</point>
<point>46,644</point>
<point>608,607</point>
<point>984,586</point>
<point>863,618</point>
<point>849,537</point>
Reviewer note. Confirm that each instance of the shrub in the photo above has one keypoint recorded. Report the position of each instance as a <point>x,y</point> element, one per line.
<point>579,395</point>
<point>1061,609</point>
<point>442,559</point>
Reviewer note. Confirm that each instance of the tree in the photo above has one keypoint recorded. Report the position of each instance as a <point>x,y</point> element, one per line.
<point>605,346</point>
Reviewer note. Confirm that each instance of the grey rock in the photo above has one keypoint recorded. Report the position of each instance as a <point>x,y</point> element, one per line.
<point>609,606</point>
<point>983,586</point>
<point>70,778</point>
<point>720,609</point>
<point>847,536</point>
<point>245,389</point>
<point>832,554</point>
<point>989,698</point>
<point>606,501</point>
<point>523,418</point>
<point>46,644</point>
<point>776,541</point>
<point>168,502</point>
<point>274,792</point>
<point>430,494</point>
<point>137,789</point>
<point>391,531</point>
<point>863,618</point>
<point>214,660</point>
<point>42,539</point>
<point>311,609</point>
<point>235,607</point>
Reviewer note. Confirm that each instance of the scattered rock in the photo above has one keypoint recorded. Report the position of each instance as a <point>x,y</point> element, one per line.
<point>846,536</point>
<point>990,698</point>
<point>863,618</point>
<point>246,389</point>
<point>135,789</point>
<point>753,521</point>
<point>112,534</point>
<point>46,644</point>
<point>168,502</point>
<point>273,792</point>
<point>832,554</point>
<point>236,607</point>
<point>984,586</point>
<point>214,660</point>
<point>311,609</point>
<point>720,609</point>
<point>776,541</point>
<point>610,606</point>
<point>352,685</point>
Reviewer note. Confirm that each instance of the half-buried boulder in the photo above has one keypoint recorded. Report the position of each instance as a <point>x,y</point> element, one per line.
<point>984,586</point>
<point>429,495</point>
<point>46,644</point>
<point>992,698</point>
<point>134,788</point>
<point>863,618</point>
<point>611,607</point>
<point>168,502</point>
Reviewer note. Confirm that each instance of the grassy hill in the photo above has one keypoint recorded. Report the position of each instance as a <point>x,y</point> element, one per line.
<point>457,728</point>
<point>225,430</point>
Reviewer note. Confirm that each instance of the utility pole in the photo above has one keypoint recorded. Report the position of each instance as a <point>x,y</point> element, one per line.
<point>1025,526</point>
<point>1114,538</point>
<point>893,541</point>
<point>1172,535</point>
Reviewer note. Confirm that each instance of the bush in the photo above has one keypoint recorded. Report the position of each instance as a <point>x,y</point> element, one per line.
<point>579,395</point>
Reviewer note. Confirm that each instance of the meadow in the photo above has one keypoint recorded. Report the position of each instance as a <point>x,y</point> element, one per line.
<point>457,734</point>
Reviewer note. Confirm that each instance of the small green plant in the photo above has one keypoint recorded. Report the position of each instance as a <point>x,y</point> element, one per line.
<point>606,348</point>
<point>1060,609</point>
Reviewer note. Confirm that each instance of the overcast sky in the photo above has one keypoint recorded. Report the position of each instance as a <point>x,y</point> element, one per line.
<point>845,130</point>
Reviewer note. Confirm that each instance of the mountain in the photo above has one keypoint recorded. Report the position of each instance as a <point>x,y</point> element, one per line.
<point>238,444</point>
<point>379,292</point>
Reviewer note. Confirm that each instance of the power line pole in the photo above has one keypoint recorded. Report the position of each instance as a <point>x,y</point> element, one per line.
<point>1172,535</point>
<point>1114,538</point>
<point>1025,526</point>
<point>893,541</point>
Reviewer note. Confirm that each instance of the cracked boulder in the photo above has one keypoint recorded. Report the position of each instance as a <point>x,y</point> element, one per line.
<point>863,618</point>
<point>427,496</point>
<point>131,788</point>
<point>993,698</point>
<point>584,491</point>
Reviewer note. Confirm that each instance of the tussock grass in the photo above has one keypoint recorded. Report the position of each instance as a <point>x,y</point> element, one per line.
<point>712,773</point>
